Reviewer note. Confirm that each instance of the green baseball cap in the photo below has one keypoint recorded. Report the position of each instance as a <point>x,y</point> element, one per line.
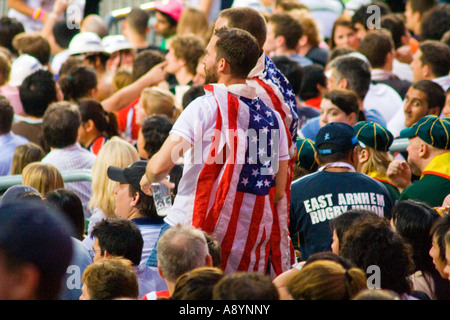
<point>374,135</point>
<point>305,154</point>
<point>431,129</point>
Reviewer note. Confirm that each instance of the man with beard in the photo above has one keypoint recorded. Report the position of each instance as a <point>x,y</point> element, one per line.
<point>275,90</point>
<point>428,158</point>
<point>235,157</point>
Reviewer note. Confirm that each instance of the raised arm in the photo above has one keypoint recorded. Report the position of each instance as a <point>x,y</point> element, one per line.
<point>126,95</point>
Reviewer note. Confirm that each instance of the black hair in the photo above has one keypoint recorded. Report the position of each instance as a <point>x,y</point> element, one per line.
<point>9,28</point>
<point>120,237</point>
<point>155,131</point>
<point>434,92</point>
<point>79,81</point>
<point>313,75</point>
<point>105,122</point>
<point>63,34</point>
<point>37,92</point>
<point>70,205</point>
<point>6,115</point>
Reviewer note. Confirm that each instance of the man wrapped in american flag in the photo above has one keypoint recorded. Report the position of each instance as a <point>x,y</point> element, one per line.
<point>236,157</point>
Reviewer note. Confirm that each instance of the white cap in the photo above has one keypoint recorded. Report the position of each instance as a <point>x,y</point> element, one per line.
<point>22,67</point>
<point>85,42</point>
<point>115,43</point>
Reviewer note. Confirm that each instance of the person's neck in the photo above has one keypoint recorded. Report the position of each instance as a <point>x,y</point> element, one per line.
<point>284,51</point>
<point>339,166</point>
<point>183,76</point>
<point>135,214</point>
<point>303,50</point>
<point>229,80</point>
<point>91,138</point>
<point>137,41</point>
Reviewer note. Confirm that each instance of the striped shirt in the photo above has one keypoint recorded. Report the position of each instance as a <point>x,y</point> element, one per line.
<point>70,158</point>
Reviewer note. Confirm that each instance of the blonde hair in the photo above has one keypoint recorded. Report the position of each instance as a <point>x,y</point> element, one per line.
<point>25,154</point>
<point>326,280</point>
<point>44,177</point>
<point>115,152</point>
<point>157,101</point>
<point>310,27</point>
<point>378,161</point>
<point>194,21</point>
<point>122,78</point>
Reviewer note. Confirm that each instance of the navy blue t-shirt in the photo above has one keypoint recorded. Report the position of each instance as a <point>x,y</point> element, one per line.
<point>321,196</point>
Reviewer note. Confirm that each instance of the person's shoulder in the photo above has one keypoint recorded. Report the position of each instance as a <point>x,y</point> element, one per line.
<point>300,182</point>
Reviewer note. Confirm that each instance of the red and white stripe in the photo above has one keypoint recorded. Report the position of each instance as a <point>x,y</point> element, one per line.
<point>241,222</point>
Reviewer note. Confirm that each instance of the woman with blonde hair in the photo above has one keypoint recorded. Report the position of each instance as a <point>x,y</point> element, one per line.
<point>155,101</point>
<point>115,152</point>
<point>326,280</point>
<point>25,154</point>
<point>375,158</point>
<point>44,177</point>
<point>194,21</point>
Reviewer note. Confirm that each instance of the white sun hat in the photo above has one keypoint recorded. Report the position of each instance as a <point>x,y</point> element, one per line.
<point>116,42</point>
<point>22,67</point>
<point>86,42</point>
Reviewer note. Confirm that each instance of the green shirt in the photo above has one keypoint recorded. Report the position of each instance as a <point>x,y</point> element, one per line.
<point>431,189</point>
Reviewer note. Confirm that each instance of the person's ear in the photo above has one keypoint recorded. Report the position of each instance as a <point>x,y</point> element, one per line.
<point>222,65</point>
<point>135,199</point>
<point>424,150</point>
<point>89,125</point>
<point>342,84</point>
<point>363,155</point>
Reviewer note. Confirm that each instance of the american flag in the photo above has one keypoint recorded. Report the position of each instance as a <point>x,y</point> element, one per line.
<point>234,199</point>
<point>280,96</point>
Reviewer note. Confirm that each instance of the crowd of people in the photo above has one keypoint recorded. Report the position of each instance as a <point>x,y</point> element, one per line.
<point>270,123</point>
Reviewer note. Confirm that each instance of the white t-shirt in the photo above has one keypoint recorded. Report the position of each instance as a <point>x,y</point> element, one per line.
<point>196,124</point>
<point>384,99</point>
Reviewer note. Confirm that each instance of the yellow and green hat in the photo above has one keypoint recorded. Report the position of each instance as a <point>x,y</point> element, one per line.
<point>305,154</point>
<point>374,135</point>
<point>432,129</point>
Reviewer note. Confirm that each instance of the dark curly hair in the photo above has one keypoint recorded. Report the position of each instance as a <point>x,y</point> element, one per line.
<point>374,242</point>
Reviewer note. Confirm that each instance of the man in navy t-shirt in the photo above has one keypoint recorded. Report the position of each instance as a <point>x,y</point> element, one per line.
<point>333,190</point>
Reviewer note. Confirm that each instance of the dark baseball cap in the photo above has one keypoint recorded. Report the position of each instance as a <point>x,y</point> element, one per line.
<point>339,134</point>
<point>131,174</point>
<point>432,129</point>
<point>34,232</point>
<point>17,192</point>
<point>374,135</point>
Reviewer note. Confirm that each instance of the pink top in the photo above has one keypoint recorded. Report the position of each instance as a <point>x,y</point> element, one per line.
<point>12,94</point>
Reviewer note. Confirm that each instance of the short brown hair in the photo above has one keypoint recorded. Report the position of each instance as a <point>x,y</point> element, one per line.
<point>247,19</point>
<point>189,48</point>
<point>33,44</point>
<point>239,48</point>
<point>111,278</point>
<point>436,55</point>
<point>288,27</point>
<point>375,46</point>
